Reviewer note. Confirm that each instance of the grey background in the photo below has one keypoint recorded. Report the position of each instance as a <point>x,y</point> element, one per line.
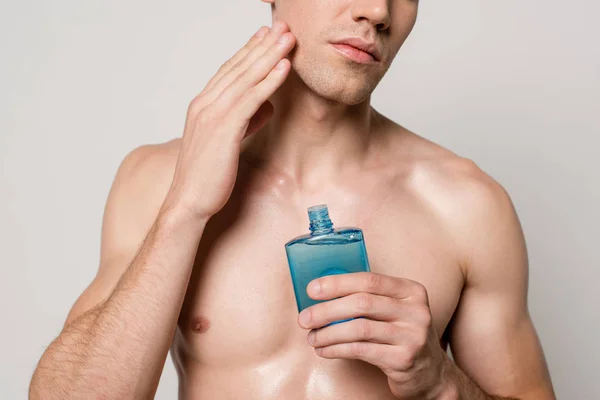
<point>514,85</point>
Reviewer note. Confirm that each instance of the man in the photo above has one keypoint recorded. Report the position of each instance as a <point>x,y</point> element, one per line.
<point>193,235</point>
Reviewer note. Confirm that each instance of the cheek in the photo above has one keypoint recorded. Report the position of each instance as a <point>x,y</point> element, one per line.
<point>407,20</point>
<point>304,17</point>
<point>302,29</point>
<point>403,21</point>
<point>307,40</point>
<point>399,34</point>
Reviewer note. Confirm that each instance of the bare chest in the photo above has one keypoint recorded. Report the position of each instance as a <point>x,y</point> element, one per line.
<point>240,306</point>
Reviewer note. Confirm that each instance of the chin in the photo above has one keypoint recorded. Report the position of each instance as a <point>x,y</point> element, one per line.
<point>348,95</point>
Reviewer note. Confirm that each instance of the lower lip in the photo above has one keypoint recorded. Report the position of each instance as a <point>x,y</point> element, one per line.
<point>354,54</point>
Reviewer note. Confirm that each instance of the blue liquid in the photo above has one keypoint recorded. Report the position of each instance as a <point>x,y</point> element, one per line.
<point>325,251</point>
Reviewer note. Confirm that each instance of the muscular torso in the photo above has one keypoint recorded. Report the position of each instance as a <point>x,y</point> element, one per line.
<point>238,335</point>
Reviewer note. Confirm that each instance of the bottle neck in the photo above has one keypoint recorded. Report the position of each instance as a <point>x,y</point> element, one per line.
<point>320,223</point>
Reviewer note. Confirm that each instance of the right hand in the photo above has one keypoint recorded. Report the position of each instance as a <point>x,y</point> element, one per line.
<point>233,105</point>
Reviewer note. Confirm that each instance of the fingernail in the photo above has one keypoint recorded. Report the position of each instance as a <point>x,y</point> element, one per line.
<point>311,337</point>
<point>278,26</point>
<point>314,287</point>
<point>262,32</point>
<point>280,65</point>
<point>283,39</point>
<point>304,317</point>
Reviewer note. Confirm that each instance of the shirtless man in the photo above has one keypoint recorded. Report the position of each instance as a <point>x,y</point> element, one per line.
<point>194,230</point>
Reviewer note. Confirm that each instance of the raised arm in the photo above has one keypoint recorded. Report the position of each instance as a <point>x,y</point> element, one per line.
<point>117,335</point>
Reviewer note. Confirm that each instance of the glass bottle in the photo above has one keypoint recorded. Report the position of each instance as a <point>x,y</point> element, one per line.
<point>324,251</point>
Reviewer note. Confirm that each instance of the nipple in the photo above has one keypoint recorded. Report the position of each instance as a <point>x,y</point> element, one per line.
<point>200,324</point>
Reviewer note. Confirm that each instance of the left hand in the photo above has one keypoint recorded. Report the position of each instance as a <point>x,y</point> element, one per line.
<point>396,333</point>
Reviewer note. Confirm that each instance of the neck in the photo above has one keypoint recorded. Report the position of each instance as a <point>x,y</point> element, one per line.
<point>312,139</point>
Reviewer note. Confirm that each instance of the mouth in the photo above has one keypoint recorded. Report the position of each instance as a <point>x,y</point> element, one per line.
<point>358,50</point>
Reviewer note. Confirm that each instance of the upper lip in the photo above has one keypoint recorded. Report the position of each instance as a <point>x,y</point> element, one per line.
<point>361,44</point>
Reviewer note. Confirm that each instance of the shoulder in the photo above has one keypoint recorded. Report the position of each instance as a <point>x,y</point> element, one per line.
<point>146,171</point>
<point>138,191</point>
<point>149,163</point>
<point>473,209</point>
<point>444,180</point>
<point>144,176</point>
<point>476,212</point>
<point>135,197</point>
<point>456,186</point>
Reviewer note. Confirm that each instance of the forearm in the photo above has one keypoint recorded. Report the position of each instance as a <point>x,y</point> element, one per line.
<point>458,386</point>
<point>118,349</point>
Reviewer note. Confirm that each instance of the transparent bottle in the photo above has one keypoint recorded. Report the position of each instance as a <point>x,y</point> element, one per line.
<point>324,251</point>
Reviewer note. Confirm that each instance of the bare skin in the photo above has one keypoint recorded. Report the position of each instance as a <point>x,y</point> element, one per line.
<point>193,257</point>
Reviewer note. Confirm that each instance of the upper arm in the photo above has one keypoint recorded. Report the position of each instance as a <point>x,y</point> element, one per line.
<point>135,197</point>
<point>492,336</point>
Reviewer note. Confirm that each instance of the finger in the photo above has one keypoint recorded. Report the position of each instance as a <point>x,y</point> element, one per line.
<point>333,286</point>
<point>241,67</point>
<point>204,98</point>
<point>273,63</point>
<point>249,103</point>
<point>237,57</point>
<point>380,308</point>
<point>359,330</point>
<point>384,356</point>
